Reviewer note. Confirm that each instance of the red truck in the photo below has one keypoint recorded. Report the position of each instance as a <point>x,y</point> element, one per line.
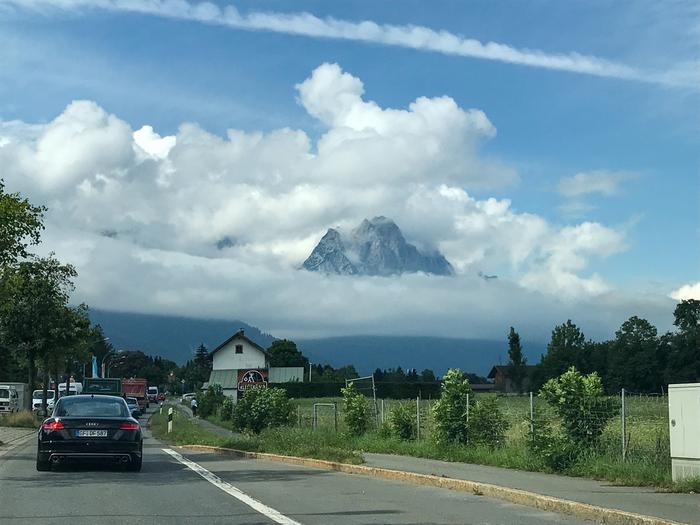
<point>138,388</point>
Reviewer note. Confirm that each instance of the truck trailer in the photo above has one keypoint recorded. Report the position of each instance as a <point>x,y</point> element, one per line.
<point>138,388</point>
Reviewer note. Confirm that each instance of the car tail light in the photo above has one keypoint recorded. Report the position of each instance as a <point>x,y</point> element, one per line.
<point>53,425</point>
<point>127,425</point>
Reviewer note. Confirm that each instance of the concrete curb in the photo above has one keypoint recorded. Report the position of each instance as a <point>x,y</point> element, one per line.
<point>521,497</point>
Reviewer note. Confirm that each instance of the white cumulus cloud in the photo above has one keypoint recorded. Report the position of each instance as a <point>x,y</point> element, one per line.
<point>687,291</point>
<point>209,225</point>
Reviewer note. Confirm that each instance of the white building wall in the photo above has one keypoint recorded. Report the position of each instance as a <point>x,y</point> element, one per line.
<point>227,358</point>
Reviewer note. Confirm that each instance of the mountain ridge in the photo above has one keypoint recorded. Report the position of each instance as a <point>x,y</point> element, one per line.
<point>177,337</point>
<point>375,247</point>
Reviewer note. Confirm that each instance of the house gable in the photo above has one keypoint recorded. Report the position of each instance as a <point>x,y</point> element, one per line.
<point>239,352</point>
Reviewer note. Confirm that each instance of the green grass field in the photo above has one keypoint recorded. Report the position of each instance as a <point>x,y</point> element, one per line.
<point>647,459</point>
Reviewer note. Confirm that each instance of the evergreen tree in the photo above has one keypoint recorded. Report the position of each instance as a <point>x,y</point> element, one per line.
<point>517,362</point>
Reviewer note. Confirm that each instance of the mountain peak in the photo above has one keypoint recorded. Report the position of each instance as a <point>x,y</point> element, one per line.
<point>374,247</point>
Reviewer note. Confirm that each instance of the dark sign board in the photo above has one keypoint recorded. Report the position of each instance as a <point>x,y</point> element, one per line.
<point>251,379</point>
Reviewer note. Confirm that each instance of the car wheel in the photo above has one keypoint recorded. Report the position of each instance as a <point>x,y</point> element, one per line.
<point>135,464</point>
<point>42,466</point>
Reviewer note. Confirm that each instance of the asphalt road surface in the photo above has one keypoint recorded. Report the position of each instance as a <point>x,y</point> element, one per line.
<point>177,486</point>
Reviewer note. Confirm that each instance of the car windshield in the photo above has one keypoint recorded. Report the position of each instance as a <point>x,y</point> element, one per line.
<point>4,394</point>
<point>131,400</point>
<point>105,406</point>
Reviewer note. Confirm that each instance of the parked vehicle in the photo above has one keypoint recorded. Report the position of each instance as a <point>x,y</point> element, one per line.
<point>94,427</point>
<point>73,390</point>
<point>138,388</point>
<point>153,394</point>
<point>109,386</point>
<point>38,398</point>
<point>134,407</point>
<point>13,397</point>
<point>188,397</point>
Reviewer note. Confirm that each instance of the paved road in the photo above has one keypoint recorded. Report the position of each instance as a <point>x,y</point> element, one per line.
<point>238,491</point>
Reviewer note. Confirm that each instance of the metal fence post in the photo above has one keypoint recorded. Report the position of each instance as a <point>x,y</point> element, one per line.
<point>417,417</point>
<point>624,426</point>
<point>383,418</point>
<point>532,416</point>
<point>467,409</point>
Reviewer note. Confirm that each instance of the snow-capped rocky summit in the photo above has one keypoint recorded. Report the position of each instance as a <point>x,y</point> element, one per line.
<point>375,247</point>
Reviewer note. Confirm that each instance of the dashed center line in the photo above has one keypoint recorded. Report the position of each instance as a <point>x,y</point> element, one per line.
<point>229,489</point>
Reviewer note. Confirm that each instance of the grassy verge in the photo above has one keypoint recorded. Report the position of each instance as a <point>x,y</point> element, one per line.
<point>286,441</point>
<point>328,445</point>
<point>23,419</point>
<point>185,430</point>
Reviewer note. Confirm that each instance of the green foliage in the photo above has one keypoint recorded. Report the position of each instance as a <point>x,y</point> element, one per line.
<point>227,408</point>
<point>487,423</point>
<point>137,364</point>
<point>262,408</point>
<point>285,353</point>
<point>328,374</point>
<point>633,361</point>
<point>209,402</point>
<point>565,349</point>
<point>549,444</point>
<point>402,420</point>
<point>451,409</point>
<point>356,410</point>
<point>20,226</point>
<point>517,362</point>
<point>34,297</point>
<point>683,363</point>
<point>579,401</point>
<point>428,376</point>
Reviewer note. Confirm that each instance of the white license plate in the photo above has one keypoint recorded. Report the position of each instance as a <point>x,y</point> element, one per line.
<point>91,433</point>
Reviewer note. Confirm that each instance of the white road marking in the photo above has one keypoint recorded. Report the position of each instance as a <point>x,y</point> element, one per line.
<point>241,496</point>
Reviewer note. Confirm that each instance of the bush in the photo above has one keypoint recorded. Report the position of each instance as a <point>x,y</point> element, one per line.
<point>487,423</point>
<point>210,401</point>
<point>451,409</point>
<point>227,408</point>
<point>260,409</point>
<point>402,420</point>
<point>549,445</point>
<point>356,410</point>
<point>24,419</point>
<point>579,402</point>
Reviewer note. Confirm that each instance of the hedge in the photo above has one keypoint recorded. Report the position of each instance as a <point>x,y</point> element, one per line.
<point>384,390</point>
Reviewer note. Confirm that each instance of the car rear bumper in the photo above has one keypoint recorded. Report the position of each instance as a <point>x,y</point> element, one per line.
<point>86,450</point>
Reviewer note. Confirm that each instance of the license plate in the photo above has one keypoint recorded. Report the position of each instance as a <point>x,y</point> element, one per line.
<point>91,433</point>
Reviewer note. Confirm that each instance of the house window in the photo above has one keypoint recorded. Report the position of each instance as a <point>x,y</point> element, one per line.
<point>239,349</point>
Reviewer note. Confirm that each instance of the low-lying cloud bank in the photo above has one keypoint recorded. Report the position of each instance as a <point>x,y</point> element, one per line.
<point>199,224</point>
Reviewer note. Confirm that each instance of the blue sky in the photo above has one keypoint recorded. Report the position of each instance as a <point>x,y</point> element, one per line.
<point>551,124</point>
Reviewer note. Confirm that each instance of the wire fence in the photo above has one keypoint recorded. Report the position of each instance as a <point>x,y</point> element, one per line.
<point>633,425</point>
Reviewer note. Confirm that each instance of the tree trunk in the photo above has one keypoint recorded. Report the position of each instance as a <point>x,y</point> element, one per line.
<point>31,369</point>
<point>44,404</point>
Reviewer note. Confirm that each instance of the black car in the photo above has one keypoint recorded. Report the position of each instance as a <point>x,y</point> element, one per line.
<point>90,427</point>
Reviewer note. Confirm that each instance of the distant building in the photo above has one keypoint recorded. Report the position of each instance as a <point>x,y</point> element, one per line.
<point>240,364</point>
<point>503,383</point>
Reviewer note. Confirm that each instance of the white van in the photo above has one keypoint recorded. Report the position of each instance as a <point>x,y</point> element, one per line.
<point>9,399</point>
<point>38,397</point>
<point>75,388</point>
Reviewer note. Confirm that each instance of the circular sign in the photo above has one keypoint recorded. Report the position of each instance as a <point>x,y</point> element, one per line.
<point>251,379</point>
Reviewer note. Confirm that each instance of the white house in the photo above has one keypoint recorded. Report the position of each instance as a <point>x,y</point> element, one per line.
<point>239,364</point>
